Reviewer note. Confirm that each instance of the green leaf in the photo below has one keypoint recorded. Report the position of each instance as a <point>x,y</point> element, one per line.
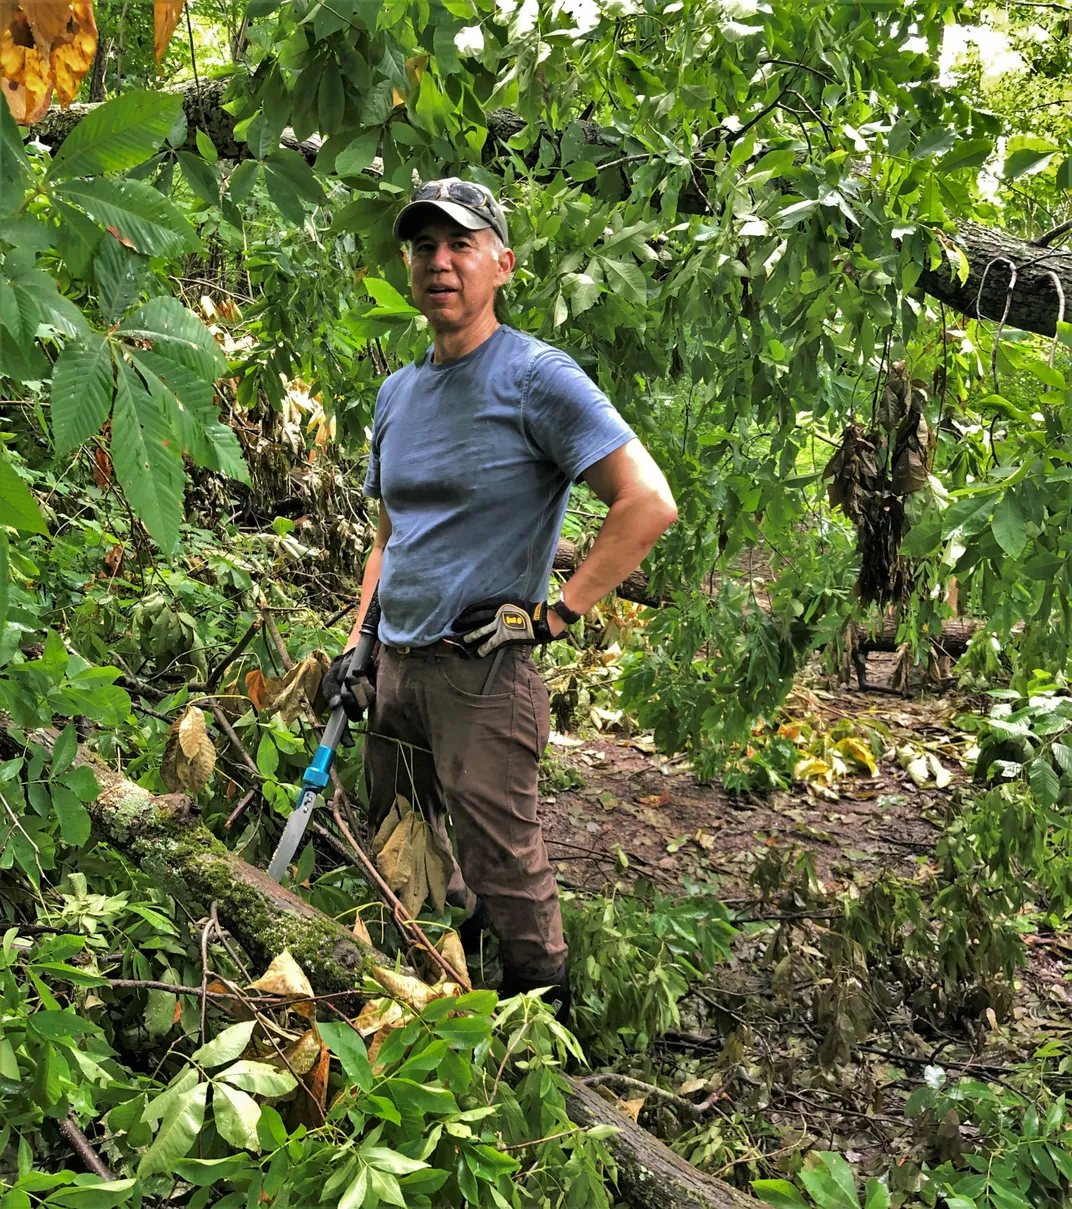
<point>106,1194</point>
<point>203,1173</point>
<point>876,1195</point>
<point>181,1124</point>
<point>354,1196</point>
<point>147,460</point>
<point>206,146</point>
<point>73,816</point>
<point>259,1077</point>
<point>1044,782</point>
<point>388,299</point>
<point>17,506</point>
<point>226,1046</point>
<point>201,176</point>
<point>1027,159</point>
<point>137,212</point>
<point>627,279</point>
<point>357,156</point>
<point>346,1044</point>
<point>1062,753</point>
<point>934,142</point>
<point>1009,527</point>
<point>79,236</point>
<point>64,750</point>
<point>841,1173</point>
<point>236,1115</point>
<point>1064,173</point>
<point>385,1159</point>
<point>966,153</point>
<point>779,1193</point>
<point>83,782</point>
<point>71,974</point>
<point>117,135</point>
<point>463,1032</point>
<point>16,176</point>
<point>60,1026</point>
<point>121,276</point>
<point>5,581</point>
<point>242,179</point>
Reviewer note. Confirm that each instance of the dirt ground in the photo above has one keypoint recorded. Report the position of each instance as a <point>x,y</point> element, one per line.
<point>673,829</point>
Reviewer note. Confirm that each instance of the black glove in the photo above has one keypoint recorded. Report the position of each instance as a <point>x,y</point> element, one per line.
<point>485,627</point>
<point>354,693</point>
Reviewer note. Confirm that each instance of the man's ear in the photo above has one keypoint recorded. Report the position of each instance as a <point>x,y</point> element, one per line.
<point>507,261</point>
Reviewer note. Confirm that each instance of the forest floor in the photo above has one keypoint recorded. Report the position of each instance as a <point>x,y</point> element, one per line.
<point>762,1044</point>
<point>674,829</point>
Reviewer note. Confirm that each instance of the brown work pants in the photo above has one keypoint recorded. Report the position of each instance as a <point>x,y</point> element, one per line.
<point>436,738</point>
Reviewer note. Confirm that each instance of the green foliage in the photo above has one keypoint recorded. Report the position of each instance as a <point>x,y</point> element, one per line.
<point>633,958</point>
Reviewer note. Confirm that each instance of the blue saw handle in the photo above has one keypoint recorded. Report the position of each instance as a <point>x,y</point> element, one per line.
<point>317,775</point>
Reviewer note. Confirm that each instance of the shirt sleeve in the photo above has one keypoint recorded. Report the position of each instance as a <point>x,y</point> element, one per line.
<point>567,417</point>
<point>372,475</point>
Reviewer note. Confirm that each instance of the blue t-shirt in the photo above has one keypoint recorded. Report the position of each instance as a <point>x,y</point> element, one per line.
<point>474,460</point>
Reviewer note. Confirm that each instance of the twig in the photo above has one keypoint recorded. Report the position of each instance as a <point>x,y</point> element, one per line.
<point>506,1058</point>
<point>341,614</point>
<point>216,674</point>
<point>79,1143</point>
<point>407,925</point>
<point>206,932</point>
<point>649,1089</point>
<point>239,810</point>
<point>277,638</point>
<point>565,1133</point>
<point>236,742</point>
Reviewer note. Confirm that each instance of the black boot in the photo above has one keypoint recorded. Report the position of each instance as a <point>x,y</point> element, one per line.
<point>471,931</point>
<point>558,993</point>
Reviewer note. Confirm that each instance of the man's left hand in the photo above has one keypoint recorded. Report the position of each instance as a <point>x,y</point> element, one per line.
<point>483,628</point>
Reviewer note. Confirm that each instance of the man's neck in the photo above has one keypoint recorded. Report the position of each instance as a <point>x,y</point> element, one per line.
<point>455,344</point>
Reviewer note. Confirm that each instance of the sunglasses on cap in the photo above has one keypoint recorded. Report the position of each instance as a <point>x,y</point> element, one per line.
<point>475,197</point>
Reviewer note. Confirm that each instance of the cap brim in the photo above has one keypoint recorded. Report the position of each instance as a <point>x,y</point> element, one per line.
<point>416,214</point>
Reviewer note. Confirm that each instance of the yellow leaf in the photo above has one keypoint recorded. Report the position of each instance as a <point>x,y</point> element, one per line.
<point>380,1014</point>
<point>191,731</point>
<point>450,946</point>
<point>399,856</point>
<point>631,1108</point>
<point>858,752</point>
<point>166,15</point>
<point>284,977</point>
<point>361,932</point>
<point>73,51</point>
<point>25,72</point>
<point>811,768</point>
<point>410,990</point>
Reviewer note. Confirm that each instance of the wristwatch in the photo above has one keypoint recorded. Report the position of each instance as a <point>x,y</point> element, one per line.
<point>565,612</point>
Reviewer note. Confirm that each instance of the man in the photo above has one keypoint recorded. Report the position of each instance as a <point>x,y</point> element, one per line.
<point>474,448</point>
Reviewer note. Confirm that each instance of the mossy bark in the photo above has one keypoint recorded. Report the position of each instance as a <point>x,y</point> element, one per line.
<point>166,839</point>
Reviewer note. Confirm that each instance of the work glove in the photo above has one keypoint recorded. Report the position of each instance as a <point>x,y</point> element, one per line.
<point>485,627</point>
<point>354,693</point>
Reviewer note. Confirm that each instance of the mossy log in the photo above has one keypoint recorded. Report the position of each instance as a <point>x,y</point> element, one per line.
<point>165,838</point>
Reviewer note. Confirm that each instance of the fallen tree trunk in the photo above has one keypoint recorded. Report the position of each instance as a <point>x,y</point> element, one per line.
<point>1034,306</point>
<point>650,1175</point>
<point>953,639</point>
<point>164,837</point>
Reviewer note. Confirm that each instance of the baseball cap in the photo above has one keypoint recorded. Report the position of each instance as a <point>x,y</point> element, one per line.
<point>468,204</point>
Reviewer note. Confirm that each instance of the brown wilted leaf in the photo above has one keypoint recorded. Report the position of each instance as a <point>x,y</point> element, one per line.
<point>415,891</point>
<point>181,772</point>
<point>398,857</point>
<point>102,468</point>
<point>383,833</point>
<point>284,977</point>
<point>412,991</point>
<point>631,1108</point>
<point>113,560</point>
<point>438,869</point>
<point>361,932</point>
<point>381,1014</point>
<point>311,1095</point>
<point>166,15</point>
<point>256,688</point>
<point>191,731</point>
<point>302,1054</point>
<point>300,684</point>
<point>450,946</point>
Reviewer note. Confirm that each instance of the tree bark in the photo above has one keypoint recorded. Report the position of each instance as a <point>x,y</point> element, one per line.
<point>164,838</point>
<point>1034,306</point>
<point>650,1175</point>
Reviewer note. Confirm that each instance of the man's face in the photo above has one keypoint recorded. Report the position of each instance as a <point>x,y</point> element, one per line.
<point>454,274</point>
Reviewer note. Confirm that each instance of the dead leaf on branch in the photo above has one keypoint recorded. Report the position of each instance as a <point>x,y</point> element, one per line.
<point>44,44</point>
<point>284,977</point>
<point>301,684</point>
<point>187,763</point>
<point>412,863</point>
<point>166,15</point>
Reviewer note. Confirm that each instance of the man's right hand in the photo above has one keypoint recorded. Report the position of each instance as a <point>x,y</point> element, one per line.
<point>354,693</point>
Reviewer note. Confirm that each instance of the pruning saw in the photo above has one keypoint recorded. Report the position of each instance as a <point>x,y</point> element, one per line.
<point>317,775</point>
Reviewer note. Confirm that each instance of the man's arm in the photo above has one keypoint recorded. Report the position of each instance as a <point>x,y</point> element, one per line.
<point>371,576</point>
<point>641,510</point>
